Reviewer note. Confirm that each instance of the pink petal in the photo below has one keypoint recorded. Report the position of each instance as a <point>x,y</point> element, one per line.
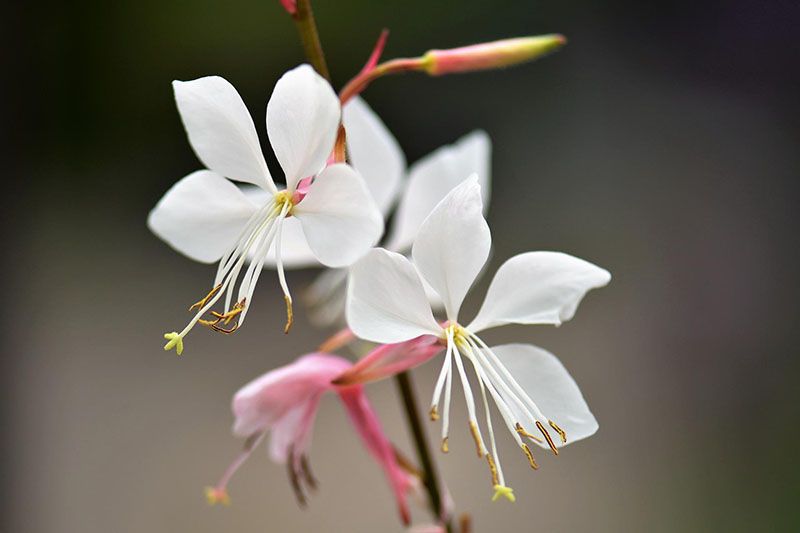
<point>264,401</point>
<point>366,422</point>
<point>390,359</point>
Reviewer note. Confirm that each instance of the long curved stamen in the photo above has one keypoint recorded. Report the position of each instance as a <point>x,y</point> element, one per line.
<point>448,388</point>
<point>468,396</point>
<point>437,390</point>
<point>281,275</point>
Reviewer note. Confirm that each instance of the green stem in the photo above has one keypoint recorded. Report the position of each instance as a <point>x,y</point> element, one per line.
<point>430,480</point>
<point>309,36</point>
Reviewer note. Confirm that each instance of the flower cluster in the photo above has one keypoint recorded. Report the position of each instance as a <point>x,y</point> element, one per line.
<point>345,175</point>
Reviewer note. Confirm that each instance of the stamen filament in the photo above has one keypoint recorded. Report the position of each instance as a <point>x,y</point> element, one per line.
<point>219,492</point>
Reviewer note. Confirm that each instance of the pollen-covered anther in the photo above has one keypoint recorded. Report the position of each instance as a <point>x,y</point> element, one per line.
<point>201,303</point>
<point>225,319</point>
<point>473,429</point>
<point>561,433</point>
<point>445,446</point>
<point>434,414</point>
<point>547,437</point>
<point>216,495</point>
<point>492,469</point>
<point>289,314</point>
<point>521,430</point>
<point>529,455</point>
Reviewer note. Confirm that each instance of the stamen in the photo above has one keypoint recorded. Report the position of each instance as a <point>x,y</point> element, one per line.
<point>289,314</point>
<point>308,476</point>
<point>561,432</point>
<point>225,318</point>
<point>294,480</point>
<point>492,469</point>
<point>473,429</point>
<point>219,492</point>
<point>206,298</point>
<point>434,414</point>
<point>445,447</point>
<point>521,430</point>
<point>529,455</point>
<point>547,437</point>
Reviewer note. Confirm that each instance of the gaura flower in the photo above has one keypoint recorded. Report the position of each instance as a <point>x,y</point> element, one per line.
<point>375,153</point>
<point>208,218</point>
<point>531,389</point>
<point>284,403</point>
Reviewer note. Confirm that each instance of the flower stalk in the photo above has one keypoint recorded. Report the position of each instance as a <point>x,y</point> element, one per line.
<point>303,17</point>
<point>430,479</point>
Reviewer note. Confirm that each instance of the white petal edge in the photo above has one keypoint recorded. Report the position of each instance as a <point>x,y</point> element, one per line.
<point>340,219</point>
<point>433,176</point>
<point>221,130</point>
<point>201,216</point>
<point>385,299</point>
<point>302,121</point>
<point>538,288</point>
<point>374,152</point>
<point>550,386</point>
<point>453,244</point>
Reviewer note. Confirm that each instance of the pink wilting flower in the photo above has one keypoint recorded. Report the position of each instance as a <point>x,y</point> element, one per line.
<point>325,210</point>
<point>531,389</point>
<point>284,403</point>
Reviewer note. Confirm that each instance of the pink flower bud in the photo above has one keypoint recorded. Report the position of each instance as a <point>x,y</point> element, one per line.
<point>290,6</point>
<point>496,54</point>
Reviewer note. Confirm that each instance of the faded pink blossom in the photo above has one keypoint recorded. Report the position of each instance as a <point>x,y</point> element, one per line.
<point>284,403</point>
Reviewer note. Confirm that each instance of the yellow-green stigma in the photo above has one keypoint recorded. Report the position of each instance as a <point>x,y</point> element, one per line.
<point>174,340</point>
<point>215,496</point>
<point>507,492</point>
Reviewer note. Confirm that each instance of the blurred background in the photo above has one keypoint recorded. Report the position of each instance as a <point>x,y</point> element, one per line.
<point>661,143</point>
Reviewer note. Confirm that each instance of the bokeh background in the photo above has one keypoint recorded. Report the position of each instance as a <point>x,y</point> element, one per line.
<point>661,143</point>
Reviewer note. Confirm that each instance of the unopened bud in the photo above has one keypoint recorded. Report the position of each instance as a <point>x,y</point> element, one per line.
<point>496,54</point>
<point>290,6</point>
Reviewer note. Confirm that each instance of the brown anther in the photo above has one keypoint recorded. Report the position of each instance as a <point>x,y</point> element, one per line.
<point>473,429</point>
<point>561,432</point>
<point>289,314</point>
<point>202,303</point>
<point>492,469</point>
<point>445,447</point>
<point>225,331</point>
<point>308,476</point>
<point>521,430</point>
<point>434,414</point>
<point>340,146</point>
<point>295,480</point>
<point>529,455</point>
<point>406,464</point>
<point>465,523</point>
<point>547,437</point>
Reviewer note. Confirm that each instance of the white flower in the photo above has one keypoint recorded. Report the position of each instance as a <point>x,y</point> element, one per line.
<point>387,304</point>
<point>209,219</point>
<point>376,154</point>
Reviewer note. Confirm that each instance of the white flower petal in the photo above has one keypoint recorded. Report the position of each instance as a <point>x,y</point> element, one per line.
<point>374,152</point>
<point>385,299</point>
<point>221,130</point>
<point>550,386</point>
<point>538,288</point>
<point>453,244</point>
<point>339,217</point>
<point>432,177</point>
<point>302,121</point>
<point>201,216</point>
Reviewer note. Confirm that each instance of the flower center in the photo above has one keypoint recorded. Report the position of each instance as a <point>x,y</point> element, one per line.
<point>284,199</point>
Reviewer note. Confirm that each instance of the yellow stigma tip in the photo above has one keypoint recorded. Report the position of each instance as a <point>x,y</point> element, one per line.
<point>215,496</point>
<point>506,492</point>
<point>174,340</point>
